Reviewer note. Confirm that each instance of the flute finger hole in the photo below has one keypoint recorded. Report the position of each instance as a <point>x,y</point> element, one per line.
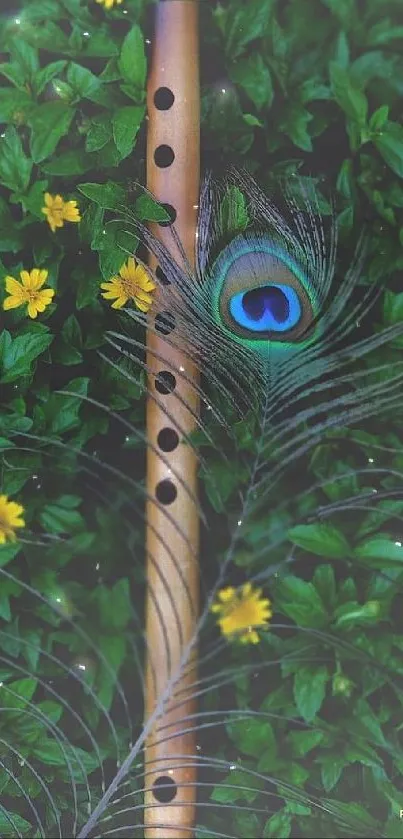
<point>163,99</point>
<point>165,382</point>
<point>166,492</point>
<point>168,439</point>
<point>164,156</point>
<point>164,789</point>
<point>172,215</point>
<point>165,323</point>
<point>161,276</point>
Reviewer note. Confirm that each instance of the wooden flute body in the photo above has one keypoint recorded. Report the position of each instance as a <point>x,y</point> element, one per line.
<point>172,518</point>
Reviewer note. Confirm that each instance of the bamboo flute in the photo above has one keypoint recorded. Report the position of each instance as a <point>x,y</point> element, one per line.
<point>173,99</point>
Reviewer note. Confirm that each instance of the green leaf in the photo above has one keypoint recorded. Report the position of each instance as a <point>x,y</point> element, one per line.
<point>325,583</point>
<point>114,651</point>
<point>115,246</point>
<point>18,354</point>
<point>83,82</point>
<point>389,143</point>
<point>125,125</point>
<point>132,60</point>
<point>220,483</point>
<point>11,238</point>
<point>331,768</point>
<point>379,118</point>
<point>46,74</point>
<point>14,74</point>
<point>352,614</point>
<point>295,125</point>
<point>100,133</point>
<point>350,98</point>
<point>26,57</point>
<point>310,690</point>
<point>49,122</point>
<point>240,23</point>
<point>61,410</point>
<point>57,519</point>
<point>68,347</point>
<point>110,195</point>
<point>252,736</point>
<point>16,695</point>
<point>321,539</point>
<point>8,552</point>
<point>88,288</point>
<point>15,166</point>
<point>278,826</point>
<point>53,753</point>
<point>12,824</point>
<point>14,102</point>
<point>301,602</point>
<point>73,162</point>
<point>303,742</point>
<point>114,605</point>
<point>380,552</point>
<point>239,785</point>
<point>252,75</point>
<point>147,209</point>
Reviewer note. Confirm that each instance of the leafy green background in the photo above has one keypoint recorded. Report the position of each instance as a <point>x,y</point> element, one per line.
<point>312,87</point>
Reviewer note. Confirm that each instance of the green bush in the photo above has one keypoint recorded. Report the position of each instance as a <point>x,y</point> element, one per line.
<point>308,87</point>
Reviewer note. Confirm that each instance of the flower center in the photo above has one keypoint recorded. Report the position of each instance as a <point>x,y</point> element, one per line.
<point>130,288</point>
<point>32,295</point>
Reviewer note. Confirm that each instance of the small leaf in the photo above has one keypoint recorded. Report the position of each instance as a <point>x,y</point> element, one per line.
<point>379,118</point>
<point>252,736</point>
<point>331,768</point>
<point>73,162</point>
<point>389,143</point>
<point>15,166</point>
<point>148,209</point>
<point>350,98</point>
<point>278,826</point>
<point>380,552</point>
<point>303,742</point>
<point>49,122</point>
<point>132,61</point>
<point>125,125</point>
<point>85,83</point>
<point>100,133</point>
<point>18,354</point>
<point>252,75</point>
<point>110,195</point>
<point>321,539</point>
<point>301,602</point>
<point>310,690</point>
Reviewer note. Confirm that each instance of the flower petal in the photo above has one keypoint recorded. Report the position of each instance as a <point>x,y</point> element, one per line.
<point>13,302</point>
<point>118,304</point>
<point>13,286</point>
<point>26,279</point>
<point>32,310</point>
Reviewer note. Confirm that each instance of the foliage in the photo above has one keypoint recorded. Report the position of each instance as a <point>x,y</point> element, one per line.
<point>309,87</point>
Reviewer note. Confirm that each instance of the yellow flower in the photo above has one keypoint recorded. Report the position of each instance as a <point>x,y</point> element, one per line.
<point>28,291</point>
<point>241,611</point>
<point>132,283</point>
<point>58,211</point>
<point>109,4</point>
<point>10,519</point>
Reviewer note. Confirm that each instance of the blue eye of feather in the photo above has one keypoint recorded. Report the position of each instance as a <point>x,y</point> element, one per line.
<point>274,307</point>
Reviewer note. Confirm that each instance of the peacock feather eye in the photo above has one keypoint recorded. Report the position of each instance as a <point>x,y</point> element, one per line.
<point>260,293</point>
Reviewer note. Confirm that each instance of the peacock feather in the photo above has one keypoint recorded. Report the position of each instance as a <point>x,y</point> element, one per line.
<point>279,331</point>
